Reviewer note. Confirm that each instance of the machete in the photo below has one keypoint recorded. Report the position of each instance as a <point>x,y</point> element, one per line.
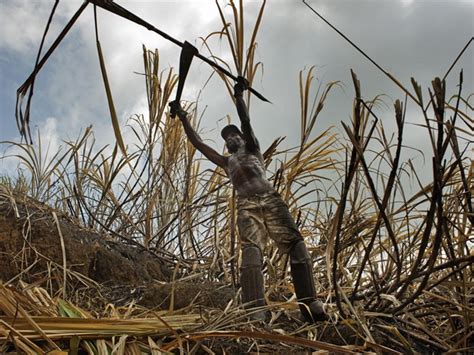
<point>187,54</point>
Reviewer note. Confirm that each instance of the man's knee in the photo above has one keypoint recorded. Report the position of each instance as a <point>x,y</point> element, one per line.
<point>251,257</point>
<point>299,253</point>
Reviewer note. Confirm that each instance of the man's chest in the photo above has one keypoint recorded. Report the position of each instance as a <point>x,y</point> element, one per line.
<point>244,163</point>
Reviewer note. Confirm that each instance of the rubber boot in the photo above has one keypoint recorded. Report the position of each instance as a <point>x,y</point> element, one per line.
<point>302,274</point>
<point>251,281</point>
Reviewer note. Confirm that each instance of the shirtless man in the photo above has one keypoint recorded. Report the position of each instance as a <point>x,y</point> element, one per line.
<point>261,212</point>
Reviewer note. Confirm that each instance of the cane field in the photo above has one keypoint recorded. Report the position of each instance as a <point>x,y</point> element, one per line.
<point>133,248</point>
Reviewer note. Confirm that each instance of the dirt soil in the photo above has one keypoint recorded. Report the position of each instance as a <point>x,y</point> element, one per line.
<point>30,248</point>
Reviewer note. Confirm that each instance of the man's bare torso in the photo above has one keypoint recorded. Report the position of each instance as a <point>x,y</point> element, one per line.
<point>246,171</point>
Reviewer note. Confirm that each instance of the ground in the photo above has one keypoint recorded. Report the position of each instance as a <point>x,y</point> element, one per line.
<point>103,272</point>
<point>124,272</point>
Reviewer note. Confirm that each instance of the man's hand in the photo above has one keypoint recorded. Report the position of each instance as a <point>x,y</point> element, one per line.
<point>241,86</point>
<point>176,109</point>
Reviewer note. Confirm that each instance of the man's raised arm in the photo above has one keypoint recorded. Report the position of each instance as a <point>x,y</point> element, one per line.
<point>251,141</point>
<point>195,139</point>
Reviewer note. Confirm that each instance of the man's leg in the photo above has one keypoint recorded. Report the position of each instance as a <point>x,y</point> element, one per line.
<point>302,274</point>
<point>251,280</point>
<point>284,231</point>
<point>252,235</point>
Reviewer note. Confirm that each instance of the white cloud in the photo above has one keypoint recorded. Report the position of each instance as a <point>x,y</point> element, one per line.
<point>22,32</point>
<point>12,14</point>
<point>49,137</point>
<point>70,87</point>
<point>406,2</point>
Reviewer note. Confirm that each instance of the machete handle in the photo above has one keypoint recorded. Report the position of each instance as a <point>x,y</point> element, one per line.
<point>174,108</point>
<point>244,83</point>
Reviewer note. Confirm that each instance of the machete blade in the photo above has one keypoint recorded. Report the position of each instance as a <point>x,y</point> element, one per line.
<point>185,59</point>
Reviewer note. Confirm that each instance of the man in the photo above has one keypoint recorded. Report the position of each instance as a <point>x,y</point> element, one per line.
<point>261,212</point>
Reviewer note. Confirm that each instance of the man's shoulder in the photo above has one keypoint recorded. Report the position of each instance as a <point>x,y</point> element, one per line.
<point>252,148</point>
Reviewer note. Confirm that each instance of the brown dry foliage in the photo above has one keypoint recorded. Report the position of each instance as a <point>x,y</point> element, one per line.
<point>394,266</point>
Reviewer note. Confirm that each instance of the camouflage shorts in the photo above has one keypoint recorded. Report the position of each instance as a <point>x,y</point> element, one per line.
<point>266,215</point>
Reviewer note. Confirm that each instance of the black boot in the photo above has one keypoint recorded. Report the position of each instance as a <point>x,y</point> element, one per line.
<point>302,274</point>
<point>251,281</point>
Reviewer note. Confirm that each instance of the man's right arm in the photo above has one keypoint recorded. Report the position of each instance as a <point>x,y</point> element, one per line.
<point>196,140</point>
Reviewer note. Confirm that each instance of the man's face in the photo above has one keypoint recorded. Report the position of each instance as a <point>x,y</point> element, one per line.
<point>234,141</point>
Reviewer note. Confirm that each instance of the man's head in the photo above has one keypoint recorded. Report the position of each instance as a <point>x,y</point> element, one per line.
<point>233,138</point>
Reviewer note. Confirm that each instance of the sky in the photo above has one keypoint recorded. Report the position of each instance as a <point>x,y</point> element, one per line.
<point>419,38</point>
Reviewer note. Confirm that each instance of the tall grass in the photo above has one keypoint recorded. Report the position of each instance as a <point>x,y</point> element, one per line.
<point>390,261</point>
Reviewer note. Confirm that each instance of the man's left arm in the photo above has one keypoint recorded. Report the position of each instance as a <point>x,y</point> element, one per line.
<point>249,136</point>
